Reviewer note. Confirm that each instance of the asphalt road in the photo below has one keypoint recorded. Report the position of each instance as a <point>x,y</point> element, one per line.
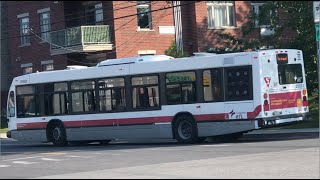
<point>287,156</point>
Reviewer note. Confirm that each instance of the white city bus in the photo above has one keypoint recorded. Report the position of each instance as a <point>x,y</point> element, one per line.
<point>157,96</point>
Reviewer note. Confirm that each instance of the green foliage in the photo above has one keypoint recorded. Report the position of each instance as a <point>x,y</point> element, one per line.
<point>296,16</point>
<point>3,130</point>
<point>174,52</point>
<point>4,123</point>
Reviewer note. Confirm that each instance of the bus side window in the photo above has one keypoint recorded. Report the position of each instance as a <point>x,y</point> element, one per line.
<point>27,101</point>
<point>118,102</point>
<point>144,97</point>
<point>112,94</point>
<point>180,87</point>
<point>145,92</point>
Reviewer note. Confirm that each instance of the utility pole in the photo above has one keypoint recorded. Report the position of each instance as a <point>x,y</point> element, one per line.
<point>1,79</point>
<point>1,67</point>
<point>316,13</point>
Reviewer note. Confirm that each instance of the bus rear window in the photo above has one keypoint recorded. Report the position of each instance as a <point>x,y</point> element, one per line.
<point>290,73</point>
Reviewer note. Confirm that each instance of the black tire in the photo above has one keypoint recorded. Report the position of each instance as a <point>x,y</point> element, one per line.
<point>185,130</point>
<point>57,134</point>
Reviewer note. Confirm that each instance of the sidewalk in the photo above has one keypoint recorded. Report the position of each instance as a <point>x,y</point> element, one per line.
<point>284,131</point>
<point>262,131</point>
<point>3,135</point>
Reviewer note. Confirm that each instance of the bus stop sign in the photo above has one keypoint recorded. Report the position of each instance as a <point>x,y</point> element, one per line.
<point>317,31</point>
<point>316,11</point>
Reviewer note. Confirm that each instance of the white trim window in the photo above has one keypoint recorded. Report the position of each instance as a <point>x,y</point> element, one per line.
<point>24,30</point>
<point>94,14</point>
<point>99,13</point>
<point>47,67</point>
<point>221,14</point>
<point>144,15</point>
<point>45,25</point>
<point>27,70</point>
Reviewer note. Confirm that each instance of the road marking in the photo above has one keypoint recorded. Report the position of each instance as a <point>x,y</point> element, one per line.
<point>74,156</point>
<point>126,151</point>
<point>1,166</point>
<point>214,145</point>
<point>23,158</point>
<point>50,159</point>
<point>115,154</point>
<point>54,153</point>
<point>23,162</point>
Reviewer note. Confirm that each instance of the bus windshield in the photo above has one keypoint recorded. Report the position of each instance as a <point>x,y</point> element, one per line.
<point>290,73</point>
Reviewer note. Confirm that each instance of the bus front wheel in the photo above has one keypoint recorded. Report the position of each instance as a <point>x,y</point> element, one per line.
<point>57,134</point>
<point>185,130</point>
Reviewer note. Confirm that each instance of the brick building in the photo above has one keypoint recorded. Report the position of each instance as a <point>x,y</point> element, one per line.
<point>4,60</point>
<point>50,35</point>
<point>86,32</point>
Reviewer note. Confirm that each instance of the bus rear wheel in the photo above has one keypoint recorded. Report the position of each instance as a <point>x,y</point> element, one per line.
<point>185,130</point>
<point>57,134</point>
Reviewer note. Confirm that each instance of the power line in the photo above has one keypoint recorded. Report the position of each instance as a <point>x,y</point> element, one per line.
<point>46,55</point>
<point>115,30</point>
<point>14,28</point>
<point>164,8</point>
<point>64,19</point>
<point>28,3</point>
<point>124,16</point>
<point>147,33</point>
<point>61,54</point>
<point>163,15</point>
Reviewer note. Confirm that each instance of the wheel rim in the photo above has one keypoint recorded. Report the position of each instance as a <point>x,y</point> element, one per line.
<point>56,133</point>
<point>185,130</point>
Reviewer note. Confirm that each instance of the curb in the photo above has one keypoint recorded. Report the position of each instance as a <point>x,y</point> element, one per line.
<point>283,131</point>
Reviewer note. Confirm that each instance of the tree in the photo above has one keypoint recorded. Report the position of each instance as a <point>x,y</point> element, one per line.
<point>286,16</point>
<point>296,16</point>
<point>173,51</point>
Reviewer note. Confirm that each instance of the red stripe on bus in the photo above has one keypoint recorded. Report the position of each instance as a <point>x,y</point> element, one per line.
<point>107,122</point>
<point>255,113</point>
<point>127,121</point>
<point>211,117</point>
<point>285,100</point>
<point>102,122</point>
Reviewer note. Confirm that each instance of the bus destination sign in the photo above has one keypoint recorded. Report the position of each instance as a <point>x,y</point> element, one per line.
<point>282,58</point>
